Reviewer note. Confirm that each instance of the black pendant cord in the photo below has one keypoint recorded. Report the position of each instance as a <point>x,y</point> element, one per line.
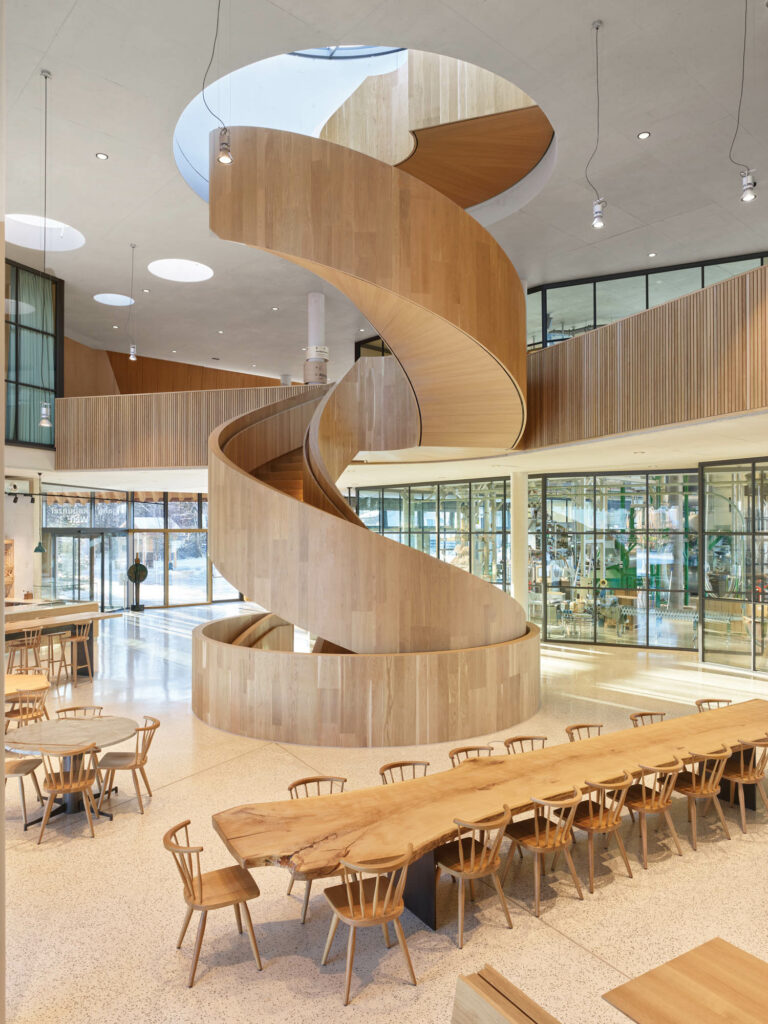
<point>596,27</point>
<point>738,163</point>
<point>210,62</point>
<point>46,75</point>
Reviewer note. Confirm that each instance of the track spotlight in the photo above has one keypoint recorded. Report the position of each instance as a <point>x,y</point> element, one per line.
<point>132,356</point>
<point>45,414</point>
<point>225,153</point>
<point>597,213</point>
<point>748,186</point>
<point>15,499</point>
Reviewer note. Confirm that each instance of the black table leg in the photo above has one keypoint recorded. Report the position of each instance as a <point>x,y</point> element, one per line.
<point>420,893</point>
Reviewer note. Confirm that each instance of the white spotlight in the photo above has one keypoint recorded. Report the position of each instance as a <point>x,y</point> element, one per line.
<point>748,186</point>
<point>597,213</point>
<point>45,414</point>
<point>225,153</point>
<point>132,356</point>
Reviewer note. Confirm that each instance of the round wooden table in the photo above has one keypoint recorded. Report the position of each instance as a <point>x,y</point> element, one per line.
<point>69,734</point>
<point>30,681</point>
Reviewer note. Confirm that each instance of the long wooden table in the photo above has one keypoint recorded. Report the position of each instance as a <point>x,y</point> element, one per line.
<point>312,836</point>
<point>711,984</point>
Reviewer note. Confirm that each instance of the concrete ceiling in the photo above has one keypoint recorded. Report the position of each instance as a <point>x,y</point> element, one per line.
<point>124,72</point>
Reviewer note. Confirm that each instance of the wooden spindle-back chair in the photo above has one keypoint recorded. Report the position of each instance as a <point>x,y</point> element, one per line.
<point>459,754</point>
<point>600,814</point>
<point>640,718</point>
<point>68,772</point>
<point>747,767</point>
<point>133,761</point>
<point>523,744</point>
<point>312,785</point>
<point>702,782</point>
<point>583,731</point>
<point>399,771</point>
<point>652,794</point>
<point>25,707</point>
<point>712,703</point>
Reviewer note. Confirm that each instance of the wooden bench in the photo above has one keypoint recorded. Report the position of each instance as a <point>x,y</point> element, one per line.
<point>488,998</point>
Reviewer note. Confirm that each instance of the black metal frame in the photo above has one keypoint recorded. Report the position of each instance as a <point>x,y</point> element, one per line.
<point>371,344</point>
<point>646,532</point>
<point>645,272</point>
<point>58,348</point>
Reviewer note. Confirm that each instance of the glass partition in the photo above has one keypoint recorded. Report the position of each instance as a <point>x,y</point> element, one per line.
<point>187,567</point>
<point>570,309</point>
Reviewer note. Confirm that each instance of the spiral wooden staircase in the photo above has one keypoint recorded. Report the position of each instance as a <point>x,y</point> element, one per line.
<point>410,649</point>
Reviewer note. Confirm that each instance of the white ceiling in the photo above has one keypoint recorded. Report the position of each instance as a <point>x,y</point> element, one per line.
<point>123,73</point>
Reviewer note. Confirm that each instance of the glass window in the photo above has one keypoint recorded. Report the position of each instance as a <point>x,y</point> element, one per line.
<point>489,506</point>
<point>761,497</point>
<point>454,548</point>
<point>424,508</point>
<point>111,511</point>
<point>727,495</point>
<point>187,568</point>
<point>425,541</point>
<point>369,507</point>
<point>148,510</point>
<point>221,589</point>
<point>622,615</point>
<point>671,284</point>
<point>570,310</point>
<point>622,297</point>
<point>183,513</point>
<point>394,509</point>
<point>620,502</point>
<point>533,304</point>
<point>488,557</point>
<point>570,502</point>
<point>730,268</point>
<point>71,509</point>
<point>150,547</point>
<point>454,507</point>
<point>673,501</point>
<point>204,511</point>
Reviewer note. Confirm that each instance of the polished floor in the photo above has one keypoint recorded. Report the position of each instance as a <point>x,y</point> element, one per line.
<point>93,923</point>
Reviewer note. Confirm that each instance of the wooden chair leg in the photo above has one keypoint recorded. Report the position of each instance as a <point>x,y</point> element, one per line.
<point>502,900</point>
<point>198,947</point>
<point>146,780</point>
<point>187,919</point>
<point>508,862</point>
<point>290,884</point>
<point>761,791</point>
<point>329,940</point>
<point>251,936</point>
<point>537,883</point>
<point>138,791</point>
<point>350,961</point>
<point>742,808</point>
<point>472,889</point>
<point>574,876</point>
<point>623,851</point>
<point>385,930</point>
<point>46,816</point>
<point>88,661</point>
<point>87,806</point>
<point>591,857</point>
<point>461,913</point>
<point>36,784</point>
<point>238,918</point>
<point>692,813</point>
<point>720,814</point>
<point>404,947</point>
<point>673,831</point>
<point>23,800</point>
<point>305,905</point>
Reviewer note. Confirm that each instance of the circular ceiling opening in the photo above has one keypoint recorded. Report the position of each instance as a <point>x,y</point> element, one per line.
<point>113,299</point>
<point>33,232</point>
<point>186,271</point>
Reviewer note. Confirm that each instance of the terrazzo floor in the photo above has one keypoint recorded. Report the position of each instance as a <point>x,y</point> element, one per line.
<point>93,923</point>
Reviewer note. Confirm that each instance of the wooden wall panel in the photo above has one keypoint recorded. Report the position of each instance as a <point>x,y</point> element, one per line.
<point>374,119</point>
<point>701,356</point>
<point>149,376</point>
<point>153,431</point>
<point>358,700</point>
<point>87,371</point>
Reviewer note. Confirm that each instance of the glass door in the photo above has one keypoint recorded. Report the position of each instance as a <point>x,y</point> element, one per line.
<point>115,568</point>
<point>86,566</point>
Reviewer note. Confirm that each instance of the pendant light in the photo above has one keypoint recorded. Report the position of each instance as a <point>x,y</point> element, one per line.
<point>40,547</point>
<point>224,155</point>
<point>131,321</point>
<point>748,182</point>
<point>45,407</point>
<point>599,204</point>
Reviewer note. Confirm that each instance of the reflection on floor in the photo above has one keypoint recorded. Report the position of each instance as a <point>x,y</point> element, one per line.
<point>92,923</point>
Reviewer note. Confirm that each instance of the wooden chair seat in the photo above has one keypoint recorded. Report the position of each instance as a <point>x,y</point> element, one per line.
<point>363,914</point>
<point>17,767</point>
<point>450,859</point>
<point>118,759</point>
<point>223,887</point>
<point>59,782</point>
<point>689,783</point>
<point>526,833</point>
<point>640,798</point>
<point>590,817</point>
<point>736,771</point>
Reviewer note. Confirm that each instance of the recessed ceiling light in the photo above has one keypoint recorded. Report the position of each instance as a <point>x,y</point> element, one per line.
<point>275,309</point>
<point>113,299</point>
<point>26,230</point>
<point>643,135</point>
<point>186,271</point>
<point>221,332</point>
<point>114,327</point>
<point>102,156</point>
<point>362,330</point>
<point>216,358</point>
<point>145,290</point>
<point>253,364</point>
<point>173,351</point>
<point>651,255</point>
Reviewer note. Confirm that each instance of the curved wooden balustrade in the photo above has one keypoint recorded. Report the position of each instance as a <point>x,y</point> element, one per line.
<point>413,649</point>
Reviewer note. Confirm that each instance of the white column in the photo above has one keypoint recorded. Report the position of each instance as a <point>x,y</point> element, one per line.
<point>518,537</point>
<point>316,362</point>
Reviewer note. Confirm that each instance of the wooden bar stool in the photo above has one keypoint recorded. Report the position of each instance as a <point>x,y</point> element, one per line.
<point>601,813</point>
<point>20,651</point>
<point>747,768</point>
<point>703,783</point>
<point>399,771</point>
<point>313,785</point>
<point>548,831</point>
<point>24,707</point>
<point>653,795</point>
<point>475,854</point>
<point>459,754</point>
<point>56,655</point>
<point>640,718</point>
<point>226,887</point>
<point>80,636</point>
<point>522,744</point>
<point>583,731</point>
<point>370,895</point>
